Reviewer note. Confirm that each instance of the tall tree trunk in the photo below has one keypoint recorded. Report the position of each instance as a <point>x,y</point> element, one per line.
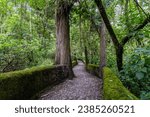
<point>85,40</point>
<point>102,35</point>
<point>119,57</point>
<point>63,55</point>
<point>102,48</point>
<point>86,55</point>
<point>80,34</point>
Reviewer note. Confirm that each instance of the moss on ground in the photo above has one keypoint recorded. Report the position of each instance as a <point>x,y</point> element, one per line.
<point>113,87</point>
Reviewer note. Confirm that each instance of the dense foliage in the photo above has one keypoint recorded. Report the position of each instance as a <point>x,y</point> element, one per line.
<point>136,73</point>
<point>28,36</point>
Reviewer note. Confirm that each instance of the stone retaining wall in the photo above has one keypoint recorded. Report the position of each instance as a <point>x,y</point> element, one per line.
<point>24,84</point>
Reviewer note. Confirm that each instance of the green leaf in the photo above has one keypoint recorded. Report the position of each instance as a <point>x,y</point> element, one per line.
<point>144,70</point>
<point>140,75</point>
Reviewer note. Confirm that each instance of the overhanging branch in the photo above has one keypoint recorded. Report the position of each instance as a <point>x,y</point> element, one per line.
<point>139,27</point>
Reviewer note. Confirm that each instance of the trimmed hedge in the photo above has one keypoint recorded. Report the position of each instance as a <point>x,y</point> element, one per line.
<point>113,87</point>
<point>26,83</point>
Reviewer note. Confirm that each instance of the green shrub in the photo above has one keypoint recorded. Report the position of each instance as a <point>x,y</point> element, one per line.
<point>136,73</point>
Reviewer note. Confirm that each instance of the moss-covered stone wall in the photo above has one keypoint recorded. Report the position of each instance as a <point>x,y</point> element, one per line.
<point>74,63</point>
<point>113,87</point>
<point>93,69</point>
<point>24,84</point>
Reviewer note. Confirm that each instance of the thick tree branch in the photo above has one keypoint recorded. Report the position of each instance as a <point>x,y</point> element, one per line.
<point>107,22</point>
<point>130,35</point>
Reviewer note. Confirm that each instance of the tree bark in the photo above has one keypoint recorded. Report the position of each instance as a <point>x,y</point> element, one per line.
<point>63,55</point>
<point>80,34</point>
<point>119,57</point>
<point>102,48</point>
<point>86,55</point>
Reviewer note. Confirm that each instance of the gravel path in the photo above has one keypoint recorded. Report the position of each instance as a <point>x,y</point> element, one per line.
<point>83,87</point>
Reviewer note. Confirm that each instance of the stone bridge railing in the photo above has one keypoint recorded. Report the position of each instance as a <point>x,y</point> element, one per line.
<point>113,89</point>
<point>26,83</point>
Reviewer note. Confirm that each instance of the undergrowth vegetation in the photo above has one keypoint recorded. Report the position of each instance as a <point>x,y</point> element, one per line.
<point>136,73</point>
